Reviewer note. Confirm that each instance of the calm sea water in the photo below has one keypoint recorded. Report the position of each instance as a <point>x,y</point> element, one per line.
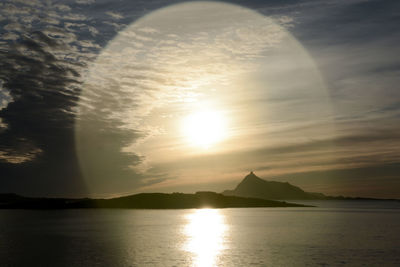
<point>334,234</point>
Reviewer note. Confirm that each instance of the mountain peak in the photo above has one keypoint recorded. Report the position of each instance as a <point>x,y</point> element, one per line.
<point>251,175</point>
<point>254,186</point>
<point>251,180</point>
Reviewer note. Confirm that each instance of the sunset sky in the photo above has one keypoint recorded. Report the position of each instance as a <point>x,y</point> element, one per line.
<point>104,98</point>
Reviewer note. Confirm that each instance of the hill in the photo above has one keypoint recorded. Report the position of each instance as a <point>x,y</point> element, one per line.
<point>253,186</point>
<point>142,201</point>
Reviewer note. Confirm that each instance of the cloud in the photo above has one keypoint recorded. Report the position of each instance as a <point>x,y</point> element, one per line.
<point>12,10</point>
<point>74,17</point>
<point>62,7</point>
<point>154,72</point>
<point>152,75</point>
<point>40,78</point>
<point>39,122</point>
<point>317,165</point>
<point>115,15</point>
<point>10,36</point>
<point>17,158</point>
<point>31,71</point>
<point>116,26</point>
<point>85,2</point>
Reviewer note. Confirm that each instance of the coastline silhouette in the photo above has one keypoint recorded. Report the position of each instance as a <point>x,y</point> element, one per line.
<point>252,191</point>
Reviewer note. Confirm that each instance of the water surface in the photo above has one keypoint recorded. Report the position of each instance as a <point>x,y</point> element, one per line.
<point>335,234</point>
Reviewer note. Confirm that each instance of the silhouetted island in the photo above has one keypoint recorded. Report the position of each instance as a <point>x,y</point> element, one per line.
<point>254,186</point>
<point>142,201</point>
<point>252,191</point>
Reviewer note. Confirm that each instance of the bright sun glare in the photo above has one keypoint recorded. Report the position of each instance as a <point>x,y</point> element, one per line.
<point>205,232</point>
<point>204,128</point>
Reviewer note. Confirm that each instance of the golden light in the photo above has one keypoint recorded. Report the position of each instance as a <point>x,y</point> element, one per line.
<point>205,232</point>
<point>195,79</point>
<point>204,128</point>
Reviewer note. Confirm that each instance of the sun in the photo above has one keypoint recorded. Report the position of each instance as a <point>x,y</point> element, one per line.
<point>204,128</point>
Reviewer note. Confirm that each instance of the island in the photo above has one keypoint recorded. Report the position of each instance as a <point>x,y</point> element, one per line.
<point>143,201</point>
<point>254,187</point>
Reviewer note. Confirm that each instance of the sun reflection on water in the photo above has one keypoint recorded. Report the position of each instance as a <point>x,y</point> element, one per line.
<point>205,231</point>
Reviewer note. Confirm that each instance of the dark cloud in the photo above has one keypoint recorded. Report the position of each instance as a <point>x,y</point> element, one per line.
<point>44,49</point>
<point>40,118</point>
<point>40,74</point>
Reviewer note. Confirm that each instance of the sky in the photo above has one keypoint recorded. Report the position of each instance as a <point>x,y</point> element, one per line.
<point>105,98</point>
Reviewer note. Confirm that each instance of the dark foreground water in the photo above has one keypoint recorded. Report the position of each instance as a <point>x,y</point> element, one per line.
<point>334,234</point>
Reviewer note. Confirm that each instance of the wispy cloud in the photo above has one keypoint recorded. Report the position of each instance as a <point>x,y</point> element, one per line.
<point>153,74</point>
<point>115,15</point>
<point>329,110</point>
<point>85,2</point>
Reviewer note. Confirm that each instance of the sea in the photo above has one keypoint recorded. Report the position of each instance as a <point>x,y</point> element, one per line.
<point>334,233</point>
